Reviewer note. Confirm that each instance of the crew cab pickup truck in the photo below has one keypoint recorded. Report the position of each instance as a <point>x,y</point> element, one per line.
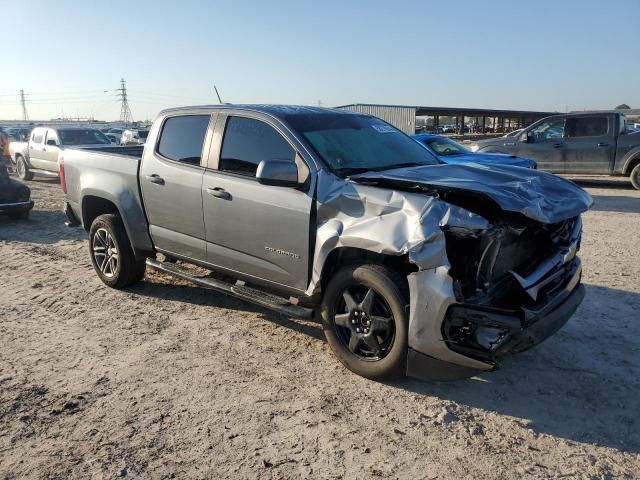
<point>413,266</point>
<point>577,143</point>
<point>40,154</point>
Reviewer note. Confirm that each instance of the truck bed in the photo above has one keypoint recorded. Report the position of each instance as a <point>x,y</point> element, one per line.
<point>127,151</point>
<point>108,173</point>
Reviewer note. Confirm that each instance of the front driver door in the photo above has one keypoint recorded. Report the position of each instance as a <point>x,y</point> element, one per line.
<point>171,184</point>
<point>545,145</point>
<point>258,230</point>
<point>50,151</point>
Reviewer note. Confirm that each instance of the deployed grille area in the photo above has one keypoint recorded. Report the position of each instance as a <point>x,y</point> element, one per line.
<point>507,266</point>
<point>507,278</point>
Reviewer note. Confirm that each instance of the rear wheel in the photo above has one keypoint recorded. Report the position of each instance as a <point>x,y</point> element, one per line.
<point>23,169</point>
<point>111,253</point>
<point>365,321</point>
<point>635,176</point>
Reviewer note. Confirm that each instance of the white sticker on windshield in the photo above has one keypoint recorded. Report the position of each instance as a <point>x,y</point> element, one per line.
<point>384,128</point>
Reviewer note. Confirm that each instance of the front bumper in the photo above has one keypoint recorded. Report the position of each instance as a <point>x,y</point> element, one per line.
<point>450,340</point>
<point>10,207</point>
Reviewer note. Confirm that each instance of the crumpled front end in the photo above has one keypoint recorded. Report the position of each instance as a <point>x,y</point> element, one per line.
<point>507,289</point>
<point>482,285</point>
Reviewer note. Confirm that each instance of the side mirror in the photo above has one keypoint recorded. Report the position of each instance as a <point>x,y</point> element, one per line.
<point>524,138</point>
<point>279,173</point>
<point>52,142</point>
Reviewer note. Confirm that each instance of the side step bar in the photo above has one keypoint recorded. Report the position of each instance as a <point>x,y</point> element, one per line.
<point>252,295</point>
<point>46,173</point>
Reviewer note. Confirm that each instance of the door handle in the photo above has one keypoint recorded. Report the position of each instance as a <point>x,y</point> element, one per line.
<point>557,145</point>
<point>155,178</point>
<point>219,193</point>
<point>603,144</point>
<point>510,144</point>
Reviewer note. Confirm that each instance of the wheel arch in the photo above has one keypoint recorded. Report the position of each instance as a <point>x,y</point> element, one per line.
<point>342,256</point>
<point>631,163</point>
<point>93,206</point>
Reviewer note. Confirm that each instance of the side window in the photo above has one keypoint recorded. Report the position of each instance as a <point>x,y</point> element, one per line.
<point>247,142</point>
<point>182,138</point>
<point>51,135</point>
<point>38,136</point>
<point>587,127</point>
<point>549,130</point>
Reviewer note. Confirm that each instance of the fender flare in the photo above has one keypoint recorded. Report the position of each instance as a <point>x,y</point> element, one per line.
<point>629,159</point>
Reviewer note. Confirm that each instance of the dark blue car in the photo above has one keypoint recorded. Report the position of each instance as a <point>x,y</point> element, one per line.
<point>449,151</point>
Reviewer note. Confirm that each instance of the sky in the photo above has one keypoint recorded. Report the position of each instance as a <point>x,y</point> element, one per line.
<point>69,56</point>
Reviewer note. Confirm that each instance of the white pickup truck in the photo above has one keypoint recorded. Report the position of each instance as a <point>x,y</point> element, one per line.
<point>40,154</point>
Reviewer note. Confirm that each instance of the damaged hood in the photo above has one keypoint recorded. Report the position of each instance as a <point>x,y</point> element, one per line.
<point>541,196</point>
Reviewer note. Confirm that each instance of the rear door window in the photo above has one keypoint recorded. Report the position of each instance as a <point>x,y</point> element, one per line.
<point>587,127</point>
<point>182,138</point>
<point>247,142</point>
<point>37,136</point>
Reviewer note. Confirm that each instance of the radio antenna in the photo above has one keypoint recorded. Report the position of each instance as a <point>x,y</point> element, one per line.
<point>219,99</point>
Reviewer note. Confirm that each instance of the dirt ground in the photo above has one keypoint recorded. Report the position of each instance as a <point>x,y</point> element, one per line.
<point>169,380</point>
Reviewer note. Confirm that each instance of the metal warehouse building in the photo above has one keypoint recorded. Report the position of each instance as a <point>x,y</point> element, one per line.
<point>404,117</point>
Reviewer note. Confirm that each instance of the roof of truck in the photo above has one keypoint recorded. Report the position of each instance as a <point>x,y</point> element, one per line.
<point>275,110</point>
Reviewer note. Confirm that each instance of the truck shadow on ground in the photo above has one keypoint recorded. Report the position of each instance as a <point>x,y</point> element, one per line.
<point>196,295</point>
<point>614,203</point>
<point>42,227</point>
<point>582,384</point>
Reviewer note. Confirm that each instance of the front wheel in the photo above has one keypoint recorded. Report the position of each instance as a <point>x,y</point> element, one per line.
<point>111,253</point>
<point>635,177</point>
<point>365,320</point>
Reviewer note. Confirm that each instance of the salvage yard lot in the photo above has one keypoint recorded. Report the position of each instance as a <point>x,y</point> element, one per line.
<point>171,380</point>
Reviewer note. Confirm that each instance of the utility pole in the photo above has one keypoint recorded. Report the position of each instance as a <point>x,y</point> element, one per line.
<point>125,111</point>
<point>24,106</point>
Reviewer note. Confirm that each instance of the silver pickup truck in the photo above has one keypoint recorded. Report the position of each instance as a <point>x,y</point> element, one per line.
<point>414,267</point>
<point>593,143</point>
<point>40,154</point>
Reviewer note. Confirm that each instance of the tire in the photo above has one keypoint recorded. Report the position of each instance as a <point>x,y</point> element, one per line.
<point>368,332</point>
<point>111,253</point>
<point>23,169</point>
<point>635,177</point>
<point>24,214</point>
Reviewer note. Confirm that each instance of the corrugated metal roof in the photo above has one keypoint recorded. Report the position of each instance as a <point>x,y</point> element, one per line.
<point>401,117</point>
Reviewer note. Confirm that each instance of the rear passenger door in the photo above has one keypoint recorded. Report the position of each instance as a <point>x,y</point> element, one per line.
<point>171,183</point>
<point>36,145</point>
<point>257,230</point>
<point>590,144</point>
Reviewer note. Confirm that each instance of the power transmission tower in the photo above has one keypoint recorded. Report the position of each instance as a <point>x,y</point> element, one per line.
<point>24,106</point>
<point>125,111</point>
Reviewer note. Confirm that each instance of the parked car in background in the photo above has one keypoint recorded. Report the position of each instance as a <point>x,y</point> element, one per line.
<point>115,135</point>
<point>19,133</point>
<point>450,151</point>
<point>413,266</point>
<point>134,137</point>
<point>41,153</point>
<point>575,143</point>
<point>15,196</point>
